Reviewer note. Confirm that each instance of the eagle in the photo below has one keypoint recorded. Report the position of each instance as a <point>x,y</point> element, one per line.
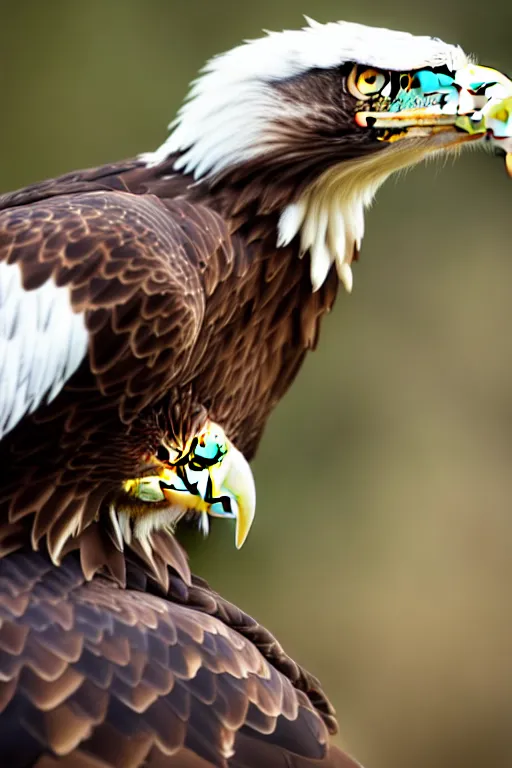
<point>153,312</point>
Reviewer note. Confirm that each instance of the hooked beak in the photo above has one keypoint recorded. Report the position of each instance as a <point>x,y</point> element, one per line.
<point>215,479</point>
<point>435,103</point>
<point>211,477</point>
<point>233,486</point>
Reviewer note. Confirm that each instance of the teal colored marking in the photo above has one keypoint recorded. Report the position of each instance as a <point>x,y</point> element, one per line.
<point>431,82</point>
<point>217,510</point>
<point>429,89</point>
<point>212,450</point>
<point>445,81</point>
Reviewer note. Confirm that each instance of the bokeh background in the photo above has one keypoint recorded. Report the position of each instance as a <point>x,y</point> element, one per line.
<point>381,552</point>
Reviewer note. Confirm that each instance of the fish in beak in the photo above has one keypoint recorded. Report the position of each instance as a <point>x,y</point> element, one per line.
<point>453,107</point>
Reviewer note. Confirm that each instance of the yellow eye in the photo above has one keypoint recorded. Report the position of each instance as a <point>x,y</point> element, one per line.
<point>365,83</point>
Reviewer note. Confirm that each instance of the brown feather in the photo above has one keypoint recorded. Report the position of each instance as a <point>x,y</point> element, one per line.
<point>140,680</point>
<point>191,313</point>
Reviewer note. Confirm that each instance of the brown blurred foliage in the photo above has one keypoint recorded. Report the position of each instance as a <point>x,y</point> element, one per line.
<point>380,555</point>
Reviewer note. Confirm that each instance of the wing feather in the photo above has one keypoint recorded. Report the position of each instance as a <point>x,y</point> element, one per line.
<point>100,275</point>
<point>42,343</point>
<point>139,680</point>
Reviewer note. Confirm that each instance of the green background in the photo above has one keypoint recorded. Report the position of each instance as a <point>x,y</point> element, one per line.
<point>380,554</point>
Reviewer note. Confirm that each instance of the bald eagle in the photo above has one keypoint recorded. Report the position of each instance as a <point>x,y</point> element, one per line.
<point>152,314</point>
<point>154,311</point>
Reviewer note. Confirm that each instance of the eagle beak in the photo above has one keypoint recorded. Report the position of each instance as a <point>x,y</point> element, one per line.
<point>431,103</point>
<point>235,492</point>
<point>212,478</point>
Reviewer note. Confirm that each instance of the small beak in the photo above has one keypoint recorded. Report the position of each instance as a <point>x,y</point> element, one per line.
<point>435,103</point>
<point>233,478</point>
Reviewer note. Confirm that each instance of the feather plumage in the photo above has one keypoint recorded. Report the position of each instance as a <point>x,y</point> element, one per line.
<point>139,302</point>
<point>95,675</point>
<point>177,323</point>
<point>42,343</point>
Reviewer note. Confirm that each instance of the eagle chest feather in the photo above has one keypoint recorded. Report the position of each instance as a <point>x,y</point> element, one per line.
<point>185,312</point>
<point>259,323</point>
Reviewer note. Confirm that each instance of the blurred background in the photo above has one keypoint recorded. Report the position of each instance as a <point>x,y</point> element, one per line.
<point>381,558</point>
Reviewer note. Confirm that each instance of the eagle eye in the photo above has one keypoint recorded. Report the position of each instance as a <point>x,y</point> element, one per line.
<point>365,82</point>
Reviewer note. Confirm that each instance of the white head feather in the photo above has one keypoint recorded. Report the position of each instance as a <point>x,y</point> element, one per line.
<point>228,116</point>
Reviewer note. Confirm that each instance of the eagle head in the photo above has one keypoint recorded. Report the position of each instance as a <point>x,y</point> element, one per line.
<point>321,116</point>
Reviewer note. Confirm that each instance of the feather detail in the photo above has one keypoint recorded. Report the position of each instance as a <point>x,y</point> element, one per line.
<point>42,343</point>
<point>139,677</point>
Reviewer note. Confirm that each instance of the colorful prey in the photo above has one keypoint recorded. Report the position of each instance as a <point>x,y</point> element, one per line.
<point>415,104</point>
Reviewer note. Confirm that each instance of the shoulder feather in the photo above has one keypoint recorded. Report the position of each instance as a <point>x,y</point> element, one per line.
<point>42,343</point>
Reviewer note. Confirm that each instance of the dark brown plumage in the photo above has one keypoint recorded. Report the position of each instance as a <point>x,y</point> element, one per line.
<point>95,676</point>
<point>156,310</point>
<point>190,314</point>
